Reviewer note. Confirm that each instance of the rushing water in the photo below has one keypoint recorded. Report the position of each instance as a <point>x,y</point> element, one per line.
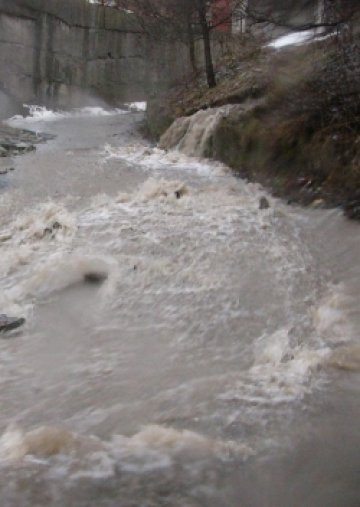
<point>218,363</point>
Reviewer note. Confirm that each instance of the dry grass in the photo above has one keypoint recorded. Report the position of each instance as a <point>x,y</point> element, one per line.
<point>308,126</point>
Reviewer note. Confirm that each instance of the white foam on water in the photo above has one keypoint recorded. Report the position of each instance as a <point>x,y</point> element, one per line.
<point>40,276</point>
<point>182,147</point>
<point>47,220</point>
<point>28,241</point>
<point>44,442</point>
<point>60,271</point>
<point>161,189</point>
<point>286,368</point>
<point>87,457</point>
<point>330,316</point>
<point>331,320</point>
<point>158,446</point>
<point>98,466</point>
<point>281,375</point>
<point>40,257</point>
<point>214,318</point>
<point>40,114</point>
<point>153,158</point>
<point>136,106</point>
<point>282,370</point>
<point>159,214</point>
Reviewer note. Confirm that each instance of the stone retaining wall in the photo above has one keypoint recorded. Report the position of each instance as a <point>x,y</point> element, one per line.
<point>64,52</point>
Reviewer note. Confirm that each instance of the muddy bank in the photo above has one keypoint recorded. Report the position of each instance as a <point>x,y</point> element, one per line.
<point>295,126</point>
<point>298,166</point>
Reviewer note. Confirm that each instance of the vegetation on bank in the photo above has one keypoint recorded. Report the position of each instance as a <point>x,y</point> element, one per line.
<point>301,135</point>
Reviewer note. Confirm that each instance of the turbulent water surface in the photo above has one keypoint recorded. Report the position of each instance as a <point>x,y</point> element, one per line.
<point>217,364</point>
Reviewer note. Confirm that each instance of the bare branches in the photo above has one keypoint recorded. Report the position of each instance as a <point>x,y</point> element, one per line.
<point>327,15</point>
<point>190,20</point>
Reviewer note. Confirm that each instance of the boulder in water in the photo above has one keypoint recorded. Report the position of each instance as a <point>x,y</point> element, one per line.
<point>10,323</point>
<point>264,203</point>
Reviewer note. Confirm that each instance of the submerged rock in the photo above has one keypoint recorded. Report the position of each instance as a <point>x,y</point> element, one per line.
<point>264,203</point>
<point>180,193</point>
<point>10,323</point>
<point>51,230</point>
<point>95,277</point>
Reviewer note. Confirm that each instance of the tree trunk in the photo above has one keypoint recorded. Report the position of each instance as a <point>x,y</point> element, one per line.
<point>205,29</point>
<point>191,43</point>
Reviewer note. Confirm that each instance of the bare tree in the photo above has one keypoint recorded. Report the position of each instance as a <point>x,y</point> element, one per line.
<point>191,20</point>
<point>185,20</point>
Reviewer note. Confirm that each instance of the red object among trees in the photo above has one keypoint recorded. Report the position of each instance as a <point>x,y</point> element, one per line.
<point>221,15</point>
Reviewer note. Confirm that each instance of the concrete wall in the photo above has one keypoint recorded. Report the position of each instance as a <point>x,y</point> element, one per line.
<point>62,52</point>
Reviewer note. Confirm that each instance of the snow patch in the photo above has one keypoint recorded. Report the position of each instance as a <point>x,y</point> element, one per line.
<point>291,39</point>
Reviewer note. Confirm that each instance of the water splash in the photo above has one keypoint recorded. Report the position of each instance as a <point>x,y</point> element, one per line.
<point>192,135</point>
<point>136,106</point>
<point>156,159</point>
<point>40,114</point>
<point>46,441</point>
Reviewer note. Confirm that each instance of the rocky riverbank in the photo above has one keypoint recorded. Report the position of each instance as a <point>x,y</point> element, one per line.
<point>295,125</point>
<point>15,142</point>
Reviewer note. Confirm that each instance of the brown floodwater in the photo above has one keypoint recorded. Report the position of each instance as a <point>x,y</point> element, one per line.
<point>218,362</point>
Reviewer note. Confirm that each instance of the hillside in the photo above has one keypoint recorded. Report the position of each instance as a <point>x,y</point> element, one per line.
<point>299,132</point>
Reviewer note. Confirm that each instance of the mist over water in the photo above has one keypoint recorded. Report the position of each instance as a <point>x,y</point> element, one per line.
<point>217,363</point>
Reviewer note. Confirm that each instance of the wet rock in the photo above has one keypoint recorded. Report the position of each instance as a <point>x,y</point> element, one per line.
<point>17,141</point>
<point>264,203</point>
<point>10,323</point>
<point>21,148</point>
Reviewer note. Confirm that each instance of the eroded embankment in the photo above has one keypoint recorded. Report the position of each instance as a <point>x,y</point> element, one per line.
<point>290,120</point>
